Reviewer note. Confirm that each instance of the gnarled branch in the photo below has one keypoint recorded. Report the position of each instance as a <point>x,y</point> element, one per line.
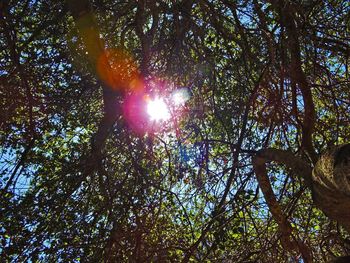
<point>289,241</point>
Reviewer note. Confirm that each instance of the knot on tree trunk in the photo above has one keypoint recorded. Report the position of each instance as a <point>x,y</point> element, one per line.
<point>331,184</point>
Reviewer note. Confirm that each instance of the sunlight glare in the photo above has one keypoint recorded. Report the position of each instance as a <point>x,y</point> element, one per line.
<point>158,110</point>
<point>180,96</point>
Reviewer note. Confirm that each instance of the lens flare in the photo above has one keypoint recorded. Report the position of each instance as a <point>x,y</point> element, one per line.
<point>158,110</point>
<point>118,70</point>
<point>180,96</point>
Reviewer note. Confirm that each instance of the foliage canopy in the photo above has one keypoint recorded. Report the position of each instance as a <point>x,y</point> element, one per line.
<point>85,177</point>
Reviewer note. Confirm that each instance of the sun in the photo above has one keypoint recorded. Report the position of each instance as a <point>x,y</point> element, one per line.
<point>158,110</point>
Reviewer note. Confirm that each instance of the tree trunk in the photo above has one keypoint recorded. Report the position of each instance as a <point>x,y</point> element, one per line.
<point>329,180</point>
<point>331,184</point>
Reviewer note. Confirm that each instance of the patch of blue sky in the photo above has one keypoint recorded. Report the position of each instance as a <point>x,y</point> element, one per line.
<point>3,72</point>
<point>8,161</point>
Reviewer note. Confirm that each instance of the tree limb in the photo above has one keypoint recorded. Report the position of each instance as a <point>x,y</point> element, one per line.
<point>87,26</point>
<point>287,20</point>
<point>288,240</point>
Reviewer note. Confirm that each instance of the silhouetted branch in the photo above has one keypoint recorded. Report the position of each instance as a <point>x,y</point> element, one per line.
<point>288,240</point>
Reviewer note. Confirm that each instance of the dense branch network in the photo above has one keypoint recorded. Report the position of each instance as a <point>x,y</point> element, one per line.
<point>245,170</point>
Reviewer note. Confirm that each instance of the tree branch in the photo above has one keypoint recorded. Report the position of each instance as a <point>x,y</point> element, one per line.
<point>86,23</point>
<point>288,240</point>
<point>287,19</point>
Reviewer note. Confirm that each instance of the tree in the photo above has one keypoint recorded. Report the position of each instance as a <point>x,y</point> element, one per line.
<point>253,167</point>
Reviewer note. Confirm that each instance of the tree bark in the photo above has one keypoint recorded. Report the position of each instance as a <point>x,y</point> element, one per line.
<point>331,184</point>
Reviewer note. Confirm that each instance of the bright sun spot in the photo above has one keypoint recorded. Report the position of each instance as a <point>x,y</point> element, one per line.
<point>158,110</point>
